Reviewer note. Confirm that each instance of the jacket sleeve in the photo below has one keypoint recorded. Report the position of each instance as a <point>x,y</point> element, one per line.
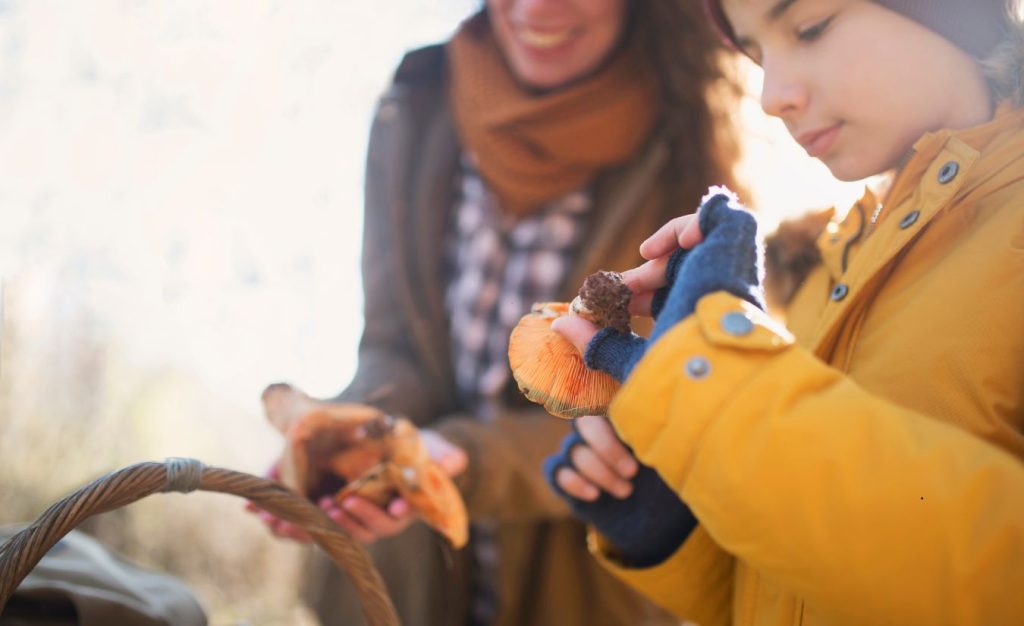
<point>865,509</point>
<point>505,459</point>
<point>695,584</point>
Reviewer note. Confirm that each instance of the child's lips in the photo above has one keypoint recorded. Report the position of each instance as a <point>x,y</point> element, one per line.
<point>818,142</point>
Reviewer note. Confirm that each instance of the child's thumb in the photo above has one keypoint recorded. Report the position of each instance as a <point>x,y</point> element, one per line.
<point>576,329</point>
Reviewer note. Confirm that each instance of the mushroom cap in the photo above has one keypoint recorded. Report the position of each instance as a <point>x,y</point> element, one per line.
<point>549,370</point>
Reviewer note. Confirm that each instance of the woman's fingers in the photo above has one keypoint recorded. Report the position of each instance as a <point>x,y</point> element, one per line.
<point>681,232</point>
<point>452,459</point>
<point>599,434</point>
<point>280,528</point>
<point>351,525</point>
<point>368,522</point>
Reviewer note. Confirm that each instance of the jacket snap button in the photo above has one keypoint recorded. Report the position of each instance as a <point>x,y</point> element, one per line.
<point>909,219</point>
<point>839,292</point>
<point>949,172</point>
<point>698,368</point>
<point>737,324</point>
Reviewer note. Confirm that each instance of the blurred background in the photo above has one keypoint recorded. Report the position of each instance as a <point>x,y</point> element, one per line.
<point>180,219</point>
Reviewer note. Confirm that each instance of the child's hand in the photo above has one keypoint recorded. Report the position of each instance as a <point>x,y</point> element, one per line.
<point>599,462</point>
<point>726,257</point>
<point>625,501</point>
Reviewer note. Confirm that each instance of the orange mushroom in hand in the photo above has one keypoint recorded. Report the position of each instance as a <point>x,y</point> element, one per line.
<point>338,449</point>
<point>549,370</point>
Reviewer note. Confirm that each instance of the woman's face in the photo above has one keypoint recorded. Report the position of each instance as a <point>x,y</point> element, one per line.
<point>551,43</point>
<point>856,83</point>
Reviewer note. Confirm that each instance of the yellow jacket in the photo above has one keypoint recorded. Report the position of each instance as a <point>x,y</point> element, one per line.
<point>868,468</point>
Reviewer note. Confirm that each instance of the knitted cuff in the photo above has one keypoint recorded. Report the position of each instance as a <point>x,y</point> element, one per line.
<point>645,528</point>
<point>671,271</point>
<point>732,244</point>
<point>729,259</point>
<point>614,352</point>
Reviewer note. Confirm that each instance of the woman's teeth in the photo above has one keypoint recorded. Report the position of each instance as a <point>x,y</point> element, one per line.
<point>549,39</point>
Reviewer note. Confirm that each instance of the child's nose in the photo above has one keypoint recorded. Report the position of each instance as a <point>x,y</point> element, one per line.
<point>783,93</point>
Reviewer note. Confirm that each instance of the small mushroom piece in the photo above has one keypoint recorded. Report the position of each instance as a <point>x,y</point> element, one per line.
<point>435,498</point>
<point>549,370</point>
<point>604,299</point>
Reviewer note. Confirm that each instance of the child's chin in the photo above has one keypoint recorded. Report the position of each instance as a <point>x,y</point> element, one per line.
<point>845,171</point>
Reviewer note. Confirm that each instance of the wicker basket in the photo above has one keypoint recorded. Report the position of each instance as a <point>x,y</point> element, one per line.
<point>23,551</point>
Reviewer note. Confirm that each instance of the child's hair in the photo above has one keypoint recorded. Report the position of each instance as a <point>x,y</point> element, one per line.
<point>1004,68</point>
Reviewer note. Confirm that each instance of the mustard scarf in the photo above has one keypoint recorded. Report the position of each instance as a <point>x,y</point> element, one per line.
<point>534,148</point>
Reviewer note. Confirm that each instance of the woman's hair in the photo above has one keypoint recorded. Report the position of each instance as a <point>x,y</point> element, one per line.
<point>1004,68</point>
<point>700,97</point>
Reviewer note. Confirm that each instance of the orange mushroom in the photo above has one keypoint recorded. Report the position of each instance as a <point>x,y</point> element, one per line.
<point>549,370</point>
<point>339,449</point>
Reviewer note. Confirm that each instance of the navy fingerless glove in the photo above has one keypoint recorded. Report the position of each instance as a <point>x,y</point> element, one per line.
<point>651,524</point>
<point>729,259</point>
<point>646,528</point>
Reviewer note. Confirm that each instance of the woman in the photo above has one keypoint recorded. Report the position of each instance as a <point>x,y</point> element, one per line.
<point>540,125</point>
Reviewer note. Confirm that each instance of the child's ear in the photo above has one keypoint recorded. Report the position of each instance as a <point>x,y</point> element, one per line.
<point>791,252</point>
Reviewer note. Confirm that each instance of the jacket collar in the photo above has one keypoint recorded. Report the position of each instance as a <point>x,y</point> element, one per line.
<point>980,155</point>
<point>949,170</point>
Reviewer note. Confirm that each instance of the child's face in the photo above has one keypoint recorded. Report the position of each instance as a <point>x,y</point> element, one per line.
<point>857,84</point>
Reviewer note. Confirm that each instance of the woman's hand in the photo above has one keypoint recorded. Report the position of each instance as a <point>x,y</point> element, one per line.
<point>363,519</point>
<point>600,463</point>
<point>277,526</point>
<point>368,522</point>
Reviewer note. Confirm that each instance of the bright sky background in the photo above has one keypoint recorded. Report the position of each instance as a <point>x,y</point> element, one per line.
<point>180,184</point>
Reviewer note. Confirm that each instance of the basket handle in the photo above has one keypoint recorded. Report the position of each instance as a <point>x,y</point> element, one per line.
<point>24,550</point>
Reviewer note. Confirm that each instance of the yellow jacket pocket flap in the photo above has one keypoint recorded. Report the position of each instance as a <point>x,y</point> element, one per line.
<point>726,320</point>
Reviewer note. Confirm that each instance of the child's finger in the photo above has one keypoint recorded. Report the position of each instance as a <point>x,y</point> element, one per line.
<point>576,329</point>
<point>597,431</point>
<point>647,277</point>
<point>593,469</point>
<point>575,485</point>
<point>681,232</point>
<point>640,303</point>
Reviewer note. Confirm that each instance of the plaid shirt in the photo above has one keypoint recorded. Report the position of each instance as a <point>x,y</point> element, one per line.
<point>498,266</point>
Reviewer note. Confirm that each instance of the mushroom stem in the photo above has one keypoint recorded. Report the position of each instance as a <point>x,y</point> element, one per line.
<point>284,404</point>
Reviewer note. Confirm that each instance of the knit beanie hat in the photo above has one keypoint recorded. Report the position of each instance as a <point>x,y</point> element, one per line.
<point>975,26</point>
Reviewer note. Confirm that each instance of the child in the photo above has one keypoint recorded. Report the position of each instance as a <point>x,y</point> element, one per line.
<point>866,469</point>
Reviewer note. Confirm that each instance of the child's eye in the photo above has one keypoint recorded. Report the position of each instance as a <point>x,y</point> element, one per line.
<point>813,32</point>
